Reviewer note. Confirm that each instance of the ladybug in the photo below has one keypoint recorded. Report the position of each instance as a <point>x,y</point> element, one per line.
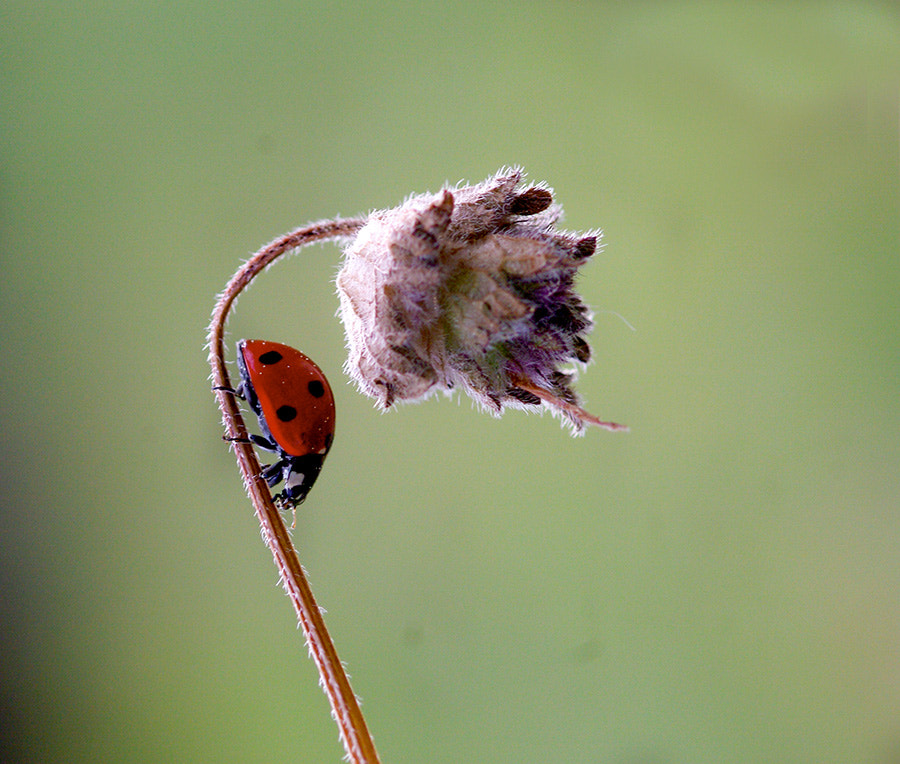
<point>295,406</point>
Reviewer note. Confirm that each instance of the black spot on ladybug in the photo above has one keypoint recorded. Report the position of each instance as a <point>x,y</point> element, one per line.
<point>270,357</point>
<point>316,388</point>
<point>286,413</point>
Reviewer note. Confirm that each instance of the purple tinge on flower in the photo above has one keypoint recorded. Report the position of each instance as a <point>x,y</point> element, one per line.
<point>471,287</point>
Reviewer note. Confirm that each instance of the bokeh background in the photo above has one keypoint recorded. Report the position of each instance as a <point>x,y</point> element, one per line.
<point>719,585</point>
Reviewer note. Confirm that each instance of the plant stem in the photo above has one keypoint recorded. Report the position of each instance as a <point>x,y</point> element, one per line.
<point>345,709</point>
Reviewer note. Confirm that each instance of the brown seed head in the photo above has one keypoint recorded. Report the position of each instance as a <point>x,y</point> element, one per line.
<point>471,287</point>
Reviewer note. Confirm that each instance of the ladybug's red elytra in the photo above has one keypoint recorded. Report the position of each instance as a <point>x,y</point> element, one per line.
<point>295,406</point>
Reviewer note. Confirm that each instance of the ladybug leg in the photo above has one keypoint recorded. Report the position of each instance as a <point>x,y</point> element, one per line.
<point>264,443</point>
<point>256,440</point>
<point>238,391</point>
<point>273,474</point>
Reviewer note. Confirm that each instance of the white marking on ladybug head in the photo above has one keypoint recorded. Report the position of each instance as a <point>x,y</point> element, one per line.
<point>294,480</point>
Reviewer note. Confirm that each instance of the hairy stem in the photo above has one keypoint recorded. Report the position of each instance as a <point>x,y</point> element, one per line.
<point>345,709</point>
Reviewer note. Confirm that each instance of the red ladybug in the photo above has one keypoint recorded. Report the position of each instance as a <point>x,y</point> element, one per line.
<point>295,406</point>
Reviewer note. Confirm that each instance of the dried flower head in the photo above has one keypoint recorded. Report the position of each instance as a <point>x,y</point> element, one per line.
<point>470,287</point>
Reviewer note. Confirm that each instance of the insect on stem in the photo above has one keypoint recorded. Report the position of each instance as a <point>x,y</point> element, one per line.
<point>352,727</point>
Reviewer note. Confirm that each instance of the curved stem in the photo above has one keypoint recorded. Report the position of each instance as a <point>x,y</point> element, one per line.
<point>345,709</point>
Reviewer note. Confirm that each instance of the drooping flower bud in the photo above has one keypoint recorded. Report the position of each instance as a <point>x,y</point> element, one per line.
<point>471,287</point>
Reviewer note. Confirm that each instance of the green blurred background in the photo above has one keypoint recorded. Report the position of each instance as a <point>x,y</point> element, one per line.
<point>719,585</point>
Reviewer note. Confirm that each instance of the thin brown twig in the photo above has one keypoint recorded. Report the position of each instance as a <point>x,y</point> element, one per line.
<point>345,709</point>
